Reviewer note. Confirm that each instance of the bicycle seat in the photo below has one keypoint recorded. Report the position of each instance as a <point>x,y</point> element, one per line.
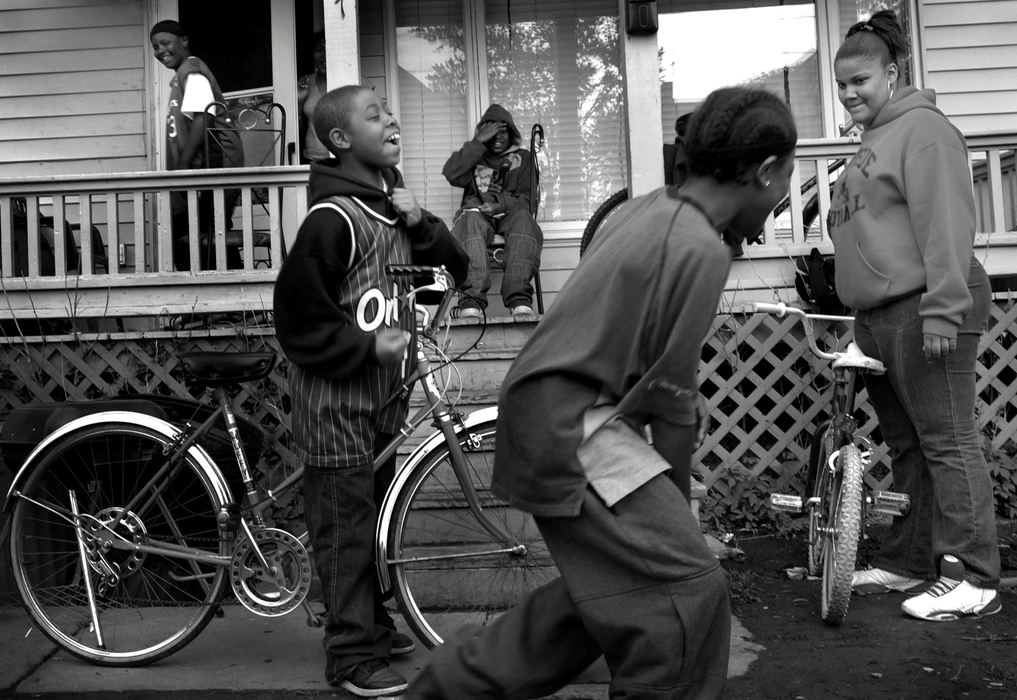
<point>854,357</point>
<point>224,368</point>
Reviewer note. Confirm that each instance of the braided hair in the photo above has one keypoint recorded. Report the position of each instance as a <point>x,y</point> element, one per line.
<point>880,36</point>
<point>737,127</point>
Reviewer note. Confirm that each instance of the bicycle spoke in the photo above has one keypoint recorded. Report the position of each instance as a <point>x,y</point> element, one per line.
<point>447,567</point>
<point>121,604</point>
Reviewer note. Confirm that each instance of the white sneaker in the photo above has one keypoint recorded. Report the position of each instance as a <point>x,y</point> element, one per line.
<point>522,312</point>
<point>951,597</point>
<point>870,581</point>
<point>470,312</point>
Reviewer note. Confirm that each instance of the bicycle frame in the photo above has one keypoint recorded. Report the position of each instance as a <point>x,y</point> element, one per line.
<point>253,505</point>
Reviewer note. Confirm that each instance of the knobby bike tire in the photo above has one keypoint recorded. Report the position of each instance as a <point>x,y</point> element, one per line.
<point>593,226</point>
<point>159,603</point>
<point>445,566</point>
<point>844,516</point>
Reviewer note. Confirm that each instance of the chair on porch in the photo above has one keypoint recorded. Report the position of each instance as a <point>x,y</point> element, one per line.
<point>264,144</point>
<point>496,250</point>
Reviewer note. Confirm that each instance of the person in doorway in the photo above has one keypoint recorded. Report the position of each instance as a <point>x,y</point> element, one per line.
<point>343,369</point>
<point>616,355</point>
<point>497,177</point>
<point>192,89</point>
<point>310,88</point>
<point>902,220</point>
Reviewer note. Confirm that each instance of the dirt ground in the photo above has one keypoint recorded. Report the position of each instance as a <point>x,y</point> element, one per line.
<point>878,653</point>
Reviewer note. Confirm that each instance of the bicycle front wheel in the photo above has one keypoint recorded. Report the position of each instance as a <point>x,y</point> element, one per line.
<point>109,605</point>
<point>843,517</point>
<point>596,222</point>
<point>448,570</point>
<point>815,484</point>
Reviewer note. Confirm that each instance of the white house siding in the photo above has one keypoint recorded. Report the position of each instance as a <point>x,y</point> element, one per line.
<point>970,59</point>
<point>72,87</point>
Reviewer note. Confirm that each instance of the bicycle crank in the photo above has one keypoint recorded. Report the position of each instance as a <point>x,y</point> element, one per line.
<point>280,587</point>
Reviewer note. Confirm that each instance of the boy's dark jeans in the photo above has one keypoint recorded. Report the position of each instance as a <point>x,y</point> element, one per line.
<point>340,508</point>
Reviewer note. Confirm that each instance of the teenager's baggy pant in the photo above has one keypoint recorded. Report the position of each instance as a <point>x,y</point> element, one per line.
<point>638,584</point>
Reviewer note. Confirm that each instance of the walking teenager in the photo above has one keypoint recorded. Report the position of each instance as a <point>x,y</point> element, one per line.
<point>902,221</point>
<point>616,354</point>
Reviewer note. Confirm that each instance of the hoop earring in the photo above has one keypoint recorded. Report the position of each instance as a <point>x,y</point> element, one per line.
<point>889,86</point>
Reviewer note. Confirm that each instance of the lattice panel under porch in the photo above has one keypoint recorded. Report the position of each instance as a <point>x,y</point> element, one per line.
<point>765,390</point>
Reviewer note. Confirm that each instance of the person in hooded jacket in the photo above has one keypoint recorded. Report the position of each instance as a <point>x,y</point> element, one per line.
<point>345,351</point>
<point>498,180</point>
<point>902,220</point>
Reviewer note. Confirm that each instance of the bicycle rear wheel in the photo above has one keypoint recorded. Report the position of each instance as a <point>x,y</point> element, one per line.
<point>148,605</point>
<point>843,519</point>
<point>447,569</point>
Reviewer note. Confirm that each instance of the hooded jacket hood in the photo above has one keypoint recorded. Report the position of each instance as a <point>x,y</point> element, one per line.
<point>328,179</point>
<point>910,99</point>
<point>497,113</point>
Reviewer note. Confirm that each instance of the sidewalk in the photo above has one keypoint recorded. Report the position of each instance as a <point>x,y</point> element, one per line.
<point>239,652</point>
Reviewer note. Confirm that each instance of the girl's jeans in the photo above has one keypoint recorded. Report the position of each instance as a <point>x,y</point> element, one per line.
<point>926,411</point>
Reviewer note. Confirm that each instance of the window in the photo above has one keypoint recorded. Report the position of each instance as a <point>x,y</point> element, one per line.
<point>553,62</point>
<point>558,63</point>
<point>431,52</point>
<point>708,45</point>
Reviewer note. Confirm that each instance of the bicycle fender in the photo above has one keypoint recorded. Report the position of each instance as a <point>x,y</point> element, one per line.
<point>483,415</point>
<point>198,453</point>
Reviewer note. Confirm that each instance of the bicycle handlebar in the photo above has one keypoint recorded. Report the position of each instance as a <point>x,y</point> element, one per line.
<point>781,310</point>
<point>441,281</point>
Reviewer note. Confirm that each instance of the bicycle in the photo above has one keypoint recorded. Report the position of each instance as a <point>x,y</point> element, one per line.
<point>835,498</point>
<point>125,533</point>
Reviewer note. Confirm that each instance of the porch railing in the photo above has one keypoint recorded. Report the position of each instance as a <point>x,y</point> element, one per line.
<point>769,268</point>
<point>84,245</point>
<point>102,245</point>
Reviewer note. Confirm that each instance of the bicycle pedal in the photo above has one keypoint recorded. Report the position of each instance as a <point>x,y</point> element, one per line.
<point>890,503</point>
<point>786,502</point>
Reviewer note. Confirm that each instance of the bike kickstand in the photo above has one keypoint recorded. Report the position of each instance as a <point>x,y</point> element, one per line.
<point>313,619</point>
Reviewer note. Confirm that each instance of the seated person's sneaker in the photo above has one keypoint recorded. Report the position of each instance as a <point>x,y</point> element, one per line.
<point>371,679</point>
<point>401,644</point>
<point>522,312</point>
<point>951,597</point>
<point>869,581</point>
<point>469,312</point>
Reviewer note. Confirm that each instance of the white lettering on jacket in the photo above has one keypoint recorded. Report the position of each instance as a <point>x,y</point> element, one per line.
<point>375,310</point>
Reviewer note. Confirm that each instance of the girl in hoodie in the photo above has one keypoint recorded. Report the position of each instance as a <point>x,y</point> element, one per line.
<point>902,220</point>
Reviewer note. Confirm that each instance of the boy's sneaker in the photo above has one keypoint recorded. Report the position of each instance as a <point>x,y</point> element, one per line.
<point>371,679</point>
<point>401,644</point>
<point>951,597</point>
<point>870,581</point>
